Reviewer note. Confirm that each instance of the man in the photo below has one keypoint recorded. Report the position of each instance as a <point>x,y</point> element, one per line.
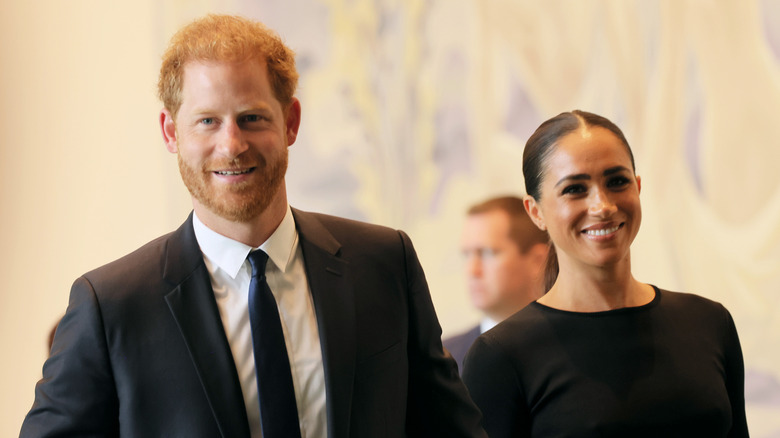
<point>505,257</point>
<point>163,341</point>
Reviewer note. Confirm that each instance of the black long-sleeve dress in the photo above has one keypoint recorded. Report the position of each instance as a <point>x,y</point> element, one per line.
<point>670,368</point>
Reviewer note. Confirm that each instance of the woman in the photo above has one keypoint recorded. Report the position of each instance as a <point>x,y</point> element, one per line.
<point>602,354</point>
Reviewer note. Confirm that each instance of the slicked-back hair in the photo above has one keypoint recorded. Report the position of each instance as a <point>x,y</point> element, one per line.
<point>538,149</point>
<point>543,141</point>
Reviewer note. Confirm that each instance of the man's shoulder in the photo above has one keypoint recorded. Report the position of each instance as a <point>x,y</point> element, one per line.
<point>459,345</point>
<point>137,257</point>
<point>358,242</point>
<point>470,334</point>
<point>150,260</point>
<point>339,222</point>
<point>344,230</point>
<point>462,340</point>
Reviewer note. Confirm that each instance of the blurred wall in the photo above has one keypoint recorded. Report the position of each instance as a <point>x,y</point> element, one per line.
<point>412,110</point>
<point>84,177</point>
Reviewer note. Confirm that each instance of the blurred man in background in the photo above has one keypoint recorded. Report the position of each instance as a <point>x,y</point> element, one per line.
<point>504,256</point>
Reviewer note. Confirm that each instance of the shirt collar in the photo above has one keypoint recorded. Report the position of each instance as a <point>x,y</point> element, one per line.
<point>486,324</point>
<point>229,255</point>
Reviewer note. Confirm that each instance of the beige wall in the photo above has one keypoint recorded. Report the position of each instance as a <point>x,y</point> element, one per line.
<point>84,175</point>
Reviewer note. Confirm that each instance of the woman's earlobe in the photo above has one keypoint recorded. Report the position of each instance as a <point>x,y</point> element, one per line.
<point>533,212</point>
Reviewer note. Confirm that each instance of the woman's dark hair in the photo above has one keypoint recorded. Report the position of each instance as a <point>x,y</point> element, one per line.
<point>539,147</point>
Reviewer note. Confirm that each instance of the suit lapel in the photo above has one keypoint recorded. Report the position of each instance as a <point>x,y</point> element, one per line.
<point>334,302</point>
<point>194,308</point>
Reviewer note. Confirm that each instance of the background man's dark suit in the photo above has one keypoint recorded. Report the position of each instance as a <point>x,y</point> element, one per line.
<point>142,352</point>
<point>459,345</point>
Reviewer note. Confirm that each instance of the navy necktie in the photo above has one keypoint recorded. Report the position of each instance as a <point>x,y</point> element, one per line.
<point>275,391</point>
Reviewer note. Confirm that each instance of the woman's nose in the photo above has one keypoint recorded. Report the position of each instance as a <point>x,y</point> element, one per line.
<point>602,204</point>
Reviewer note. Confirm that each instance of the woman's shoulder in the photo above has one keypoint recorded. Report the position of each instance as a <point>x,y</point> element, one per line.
<point>501,348</point>
<point>687,301</point>
<point>693,310</point>
<point>525,326</point>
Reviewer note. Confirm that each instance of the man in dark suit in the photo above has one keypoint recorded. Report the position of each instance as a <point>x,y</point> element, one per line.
<point>505,256</point>
<point>163,342</point>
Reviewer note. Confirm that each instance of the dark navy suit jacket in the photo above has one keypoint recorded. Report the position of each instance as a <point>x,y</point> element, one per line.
<point>459,345</point>
<point>141,351</point>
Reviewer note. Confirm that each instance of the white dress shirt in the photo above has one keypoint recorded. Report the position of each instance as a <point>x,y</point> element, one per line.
<point>486,324</point>
<point>230,272</point>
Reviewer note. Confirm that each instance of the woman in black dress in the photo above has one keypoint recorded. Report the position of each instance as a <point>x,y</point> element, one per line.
<point>602,354</point>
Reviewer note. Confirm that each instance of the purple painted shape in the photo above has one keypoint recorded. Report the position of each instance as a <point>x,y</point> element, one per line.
<point>692,146</point>
<point>693,126</point>
<point>302,24</point>
<point>522,118</point>
<point>321,183</point>
<point>761,387</point>
<point>452,150</point>
<point>770,19</point>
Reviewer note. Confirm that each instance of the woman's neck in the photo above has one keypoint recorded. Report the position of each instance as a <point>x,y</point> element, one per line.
<point>597,289</point>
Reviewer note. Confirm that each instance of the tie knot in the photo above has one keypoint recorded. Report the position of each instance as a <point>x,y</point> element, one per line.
<point>258,259</point>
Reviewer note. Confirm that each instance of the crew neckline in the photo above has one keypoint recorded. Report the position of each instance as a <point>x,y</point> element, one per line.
<point>654,302</point>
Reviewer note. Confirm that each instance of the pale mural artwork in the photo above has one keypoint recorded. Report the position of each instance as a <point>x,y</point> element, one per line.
<point>413,110</point>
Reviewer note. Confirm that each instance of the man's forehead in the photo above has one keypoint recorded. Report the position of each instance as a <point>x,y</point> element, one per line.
<point>209,83</point>
<point>258,60</point>
<point>200,66</point>
<point>495,218</point>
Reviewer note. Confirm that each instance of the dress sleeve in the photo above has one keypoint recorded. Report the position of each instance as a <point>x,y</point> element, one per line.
<point>735,379</point>
<point>492,381</point>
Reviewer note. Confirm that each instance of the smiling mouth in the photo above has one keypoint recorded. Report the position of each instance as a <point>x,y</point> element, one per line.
<point>234,172</point>
<point>603,231</point>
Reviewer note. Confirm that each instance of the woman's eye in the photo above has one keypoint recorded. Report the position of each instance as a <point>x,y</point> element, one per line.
<point>574,189</point>
<point>617,182</point>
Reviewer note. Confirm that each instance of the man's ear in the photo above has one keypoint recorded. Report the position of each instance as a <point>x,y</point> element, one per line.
<point>534,212</point>
<point>168,127</point>
<point>292,120</point>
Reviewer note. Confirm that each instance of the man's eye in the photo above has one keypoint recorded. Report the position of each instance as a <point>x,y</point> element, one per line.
<point>251,118</point>
<point>487,253</point>
<point>207,121</point>
<point>479,253</point>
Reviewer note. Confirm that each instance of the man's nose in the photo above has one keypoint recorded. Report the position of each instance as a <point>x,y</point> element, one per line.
<point>232,142</point>
<point>473,264</point>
